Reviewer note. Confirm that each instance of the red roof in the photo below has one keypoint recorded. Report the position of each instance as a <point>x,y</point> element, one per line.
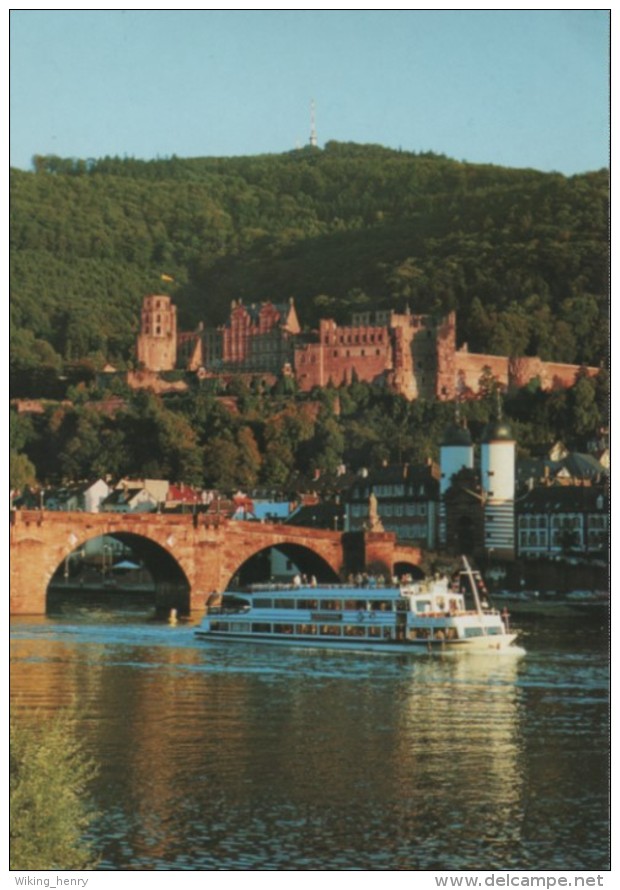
<point>183,493</point>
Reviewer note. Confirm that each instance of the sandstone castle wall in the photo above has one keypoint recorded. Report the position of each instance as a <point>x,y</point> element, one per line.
<point>414,355</point>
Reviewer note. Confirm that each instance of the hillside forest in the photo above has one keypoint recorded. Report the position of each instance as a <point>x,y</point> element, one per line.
<point>522,257</point>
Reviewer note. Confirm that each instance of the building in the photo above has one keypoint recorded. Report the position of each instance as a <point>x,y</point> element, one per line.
<point>130,500</point>
<point>560,519</point>
<point>411,354</point>
<point>255,339</point>
<point>85,497</point>
<point>407,501</point>
<point>497,479</point>
<point>157,341</point>
<point>476,508</point>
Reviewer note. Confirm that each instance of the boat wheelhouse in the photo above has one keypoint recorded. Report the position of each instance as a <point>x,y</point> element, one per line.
<point>428,614</point>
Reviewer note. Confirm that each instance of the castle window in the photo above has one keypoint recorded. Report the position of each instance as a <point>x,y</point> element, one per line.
<point>363,352</point>
<point>158,329</point>
<point>378,351</point>
<point>335,353</point>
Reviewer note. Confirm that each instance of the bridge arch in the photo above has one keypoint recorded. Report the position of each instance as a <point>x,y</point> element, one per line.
<point>403,568</point>
<point>264,565</point>
<point>116,566</point>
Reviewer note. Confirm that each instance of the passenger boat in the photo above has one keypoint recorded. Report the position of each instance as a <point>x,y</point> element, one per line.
<point>425,615</point>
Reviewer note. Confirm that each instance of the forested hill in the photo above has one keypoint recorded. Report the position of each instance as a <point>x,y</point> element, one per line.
<point>521,255</point>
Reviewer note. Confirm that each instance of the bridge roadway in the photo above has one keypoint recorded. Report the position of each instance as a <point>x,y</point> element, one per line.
<point>202,551</point>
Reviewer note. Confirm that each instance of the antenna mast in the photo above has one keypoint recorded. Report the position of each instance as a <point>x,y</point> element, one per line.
<point>313,138</point>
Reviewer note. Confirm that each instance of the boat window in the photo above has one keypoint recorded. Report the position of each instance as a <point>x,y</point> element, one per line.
<point>261,627</point>
<point>283,628</point>
<point>219,625</point>
<point>331,604</point>
<point>494,630</point>
<point>239,627</point>
<point>263,603</point>
<point>307,604</point>
<point>354,630</point>
<point>355,605</point>
<point>284,604</point>
<point>330,630</point>
<point>381,605</point>
<point>374,631</point>
<point>234,604</point>
<point>306,629</point>
<point>473,631</point>
<point>423,605</point>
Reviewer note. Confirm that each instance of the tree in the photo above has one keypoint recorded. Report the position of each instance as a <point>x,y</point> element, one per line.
<point>22,471</point>
<point>585,414</point>
<point>49,776</point>
<point>221,462</point>
<point>249,458</point>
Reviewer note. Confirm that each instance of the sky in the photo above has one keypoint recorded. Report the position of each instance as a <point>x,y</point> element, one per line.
<point>520,88</point>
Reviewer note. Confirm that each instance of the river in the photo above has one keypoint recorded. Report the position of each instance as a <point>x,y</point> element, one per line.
<point>240,756</point>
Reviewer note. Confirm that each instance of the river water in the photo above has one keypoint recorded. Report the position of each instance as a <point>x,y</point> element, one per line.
<point>241,756</point>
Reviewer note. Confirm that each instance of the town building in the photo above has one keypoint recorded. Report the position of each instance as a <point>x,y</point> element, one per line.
<point>130,500</point>
<point>86,497</point>
<point>557,520</point>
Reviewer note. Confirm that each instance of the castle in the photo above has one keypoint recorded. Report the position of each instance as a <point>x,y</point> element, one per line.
<point>413,355</point>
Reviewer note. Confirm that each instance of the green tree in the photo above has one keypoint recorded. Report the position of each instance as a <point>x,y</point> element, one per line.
<point>249,457</point>
<point>49,807</point>
<point>22,471</point>
<point>585,414</point>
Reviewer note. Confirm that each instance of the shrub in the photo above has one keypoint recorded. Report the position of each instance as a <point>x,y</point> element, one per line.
<point>49,809</point>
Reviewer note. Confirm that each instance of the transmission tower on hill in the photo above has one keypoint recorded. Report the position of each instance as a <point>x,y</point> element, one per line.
<point>313,137</point>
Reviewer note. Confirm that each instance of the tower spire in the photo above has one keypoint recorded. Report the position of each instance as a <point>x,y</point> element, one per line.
<point>313,137</point>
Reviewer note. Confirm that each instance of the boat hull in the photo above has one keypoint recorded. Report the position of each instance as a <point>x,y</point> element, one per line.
<point>494,643</point>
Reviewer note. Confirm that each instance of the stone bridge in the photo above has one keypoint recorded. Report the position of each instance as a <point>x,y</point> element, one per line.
<point>203,552</point>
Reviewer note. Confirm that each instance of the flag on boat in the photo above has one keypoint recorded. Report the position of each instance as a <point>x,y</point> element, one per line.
<point>167,278</point>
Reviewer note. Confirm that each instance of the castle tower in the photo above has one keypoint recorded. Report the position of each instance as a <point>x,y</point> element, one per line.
<point>497,472</point>
<point>156,346</point>
<point>455,452</point>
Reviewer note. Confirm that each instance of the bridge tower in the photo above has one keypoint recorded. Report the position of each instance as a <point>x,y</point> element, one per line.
<point>497,472</point>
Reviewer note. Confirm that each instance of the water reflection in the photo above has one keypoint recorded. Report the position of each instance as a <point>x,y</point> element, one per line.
<point>216,756</point>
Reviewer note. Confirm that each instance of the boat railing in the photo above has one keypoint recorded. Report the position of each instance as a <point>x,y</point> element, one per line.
<point>294,588</point>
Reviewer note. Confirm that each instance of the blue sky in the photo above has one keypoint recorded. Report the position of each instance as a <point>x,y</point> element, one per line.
<point>517,88</point>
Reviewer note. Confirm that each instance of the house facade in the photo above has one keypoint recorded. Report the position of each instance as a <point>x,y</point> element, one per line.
<point>556,520</point>
<point>407,502</point>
